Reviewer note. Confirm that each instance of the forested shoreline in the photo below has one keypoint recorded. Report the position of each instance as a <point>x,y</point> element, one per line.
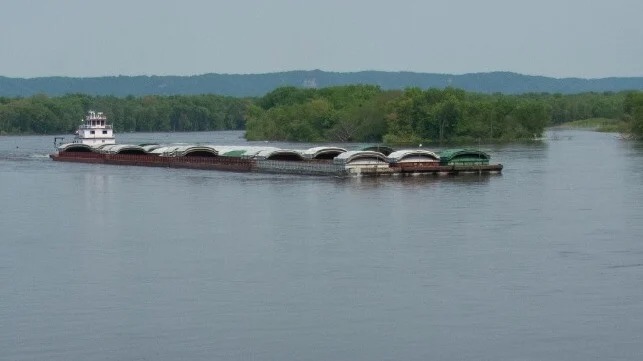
<point>358,113</point>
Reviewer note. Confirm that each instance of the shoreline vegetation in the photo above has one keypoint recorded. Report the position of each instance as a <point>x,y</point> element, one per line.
<point>351,113</point>
<point>604,125</point>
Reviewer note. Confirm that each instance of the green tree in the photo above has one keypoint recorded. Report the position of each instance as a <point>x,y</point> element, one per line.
<point>633,109</point>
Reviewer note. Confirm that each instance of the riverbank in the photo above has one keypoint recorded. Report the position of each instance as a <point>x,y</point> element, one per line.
<point>604,125</point>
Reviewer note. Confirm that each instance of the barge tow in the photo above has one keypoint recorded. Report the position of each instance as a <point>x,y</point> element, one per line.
<point>95,143</point>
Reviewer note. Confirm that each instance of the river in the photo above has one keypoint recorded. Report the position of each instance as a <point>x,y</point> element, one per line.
<point>543,262</point>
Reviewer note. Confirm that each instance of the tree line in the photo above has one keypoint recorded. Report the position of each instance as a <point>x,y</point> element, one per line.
<point>633,109</point>
<point>368,114</point>
<point>254,85</point>
<point>40,114</point>
<point>361,113</point>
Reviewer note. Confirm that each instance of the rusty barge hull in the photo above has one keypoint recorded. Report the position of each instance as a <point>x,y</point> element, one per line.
<point>435,170</point>
<point>230,164</point>
<point>205,163</point>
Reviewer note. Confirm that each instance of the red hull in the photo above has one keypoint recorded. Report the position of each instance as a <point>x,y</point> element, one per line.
<point>211,163</point>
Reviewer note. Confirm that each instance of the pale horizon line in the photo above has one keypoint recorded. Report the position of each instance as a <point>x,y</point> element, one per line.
<point>320,70</point>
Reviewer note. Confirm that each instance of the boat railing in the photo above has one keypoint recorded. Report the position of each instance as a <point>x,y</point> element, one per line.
<point>85,126</point>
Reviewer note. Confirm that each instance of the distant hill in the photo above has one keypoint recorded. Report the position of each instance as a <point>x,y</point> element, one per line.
<point>241,85</point>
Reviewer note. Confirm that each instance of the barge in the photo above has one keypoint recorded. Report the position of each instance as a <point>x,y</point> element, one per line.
<point>95,143</point>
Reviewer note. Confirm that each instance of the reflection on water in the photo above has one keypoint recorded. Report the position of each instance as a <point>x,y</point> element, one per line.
<point>95,191</point>
<point>417,180</point>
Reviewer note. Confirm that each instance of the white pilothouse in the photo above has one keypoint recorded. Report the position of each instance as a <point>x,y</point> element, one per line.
<point>94,131</point>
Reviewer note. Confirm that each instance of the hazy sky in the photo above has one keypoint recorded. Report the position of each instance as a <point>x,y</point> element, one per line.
<point>560,38</point>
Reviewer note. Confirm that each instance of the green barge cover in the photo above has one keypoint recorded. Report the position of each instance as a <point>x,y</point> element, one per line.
<point>463,156</point>
<point>235,153</point>
<point>386,150</point>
